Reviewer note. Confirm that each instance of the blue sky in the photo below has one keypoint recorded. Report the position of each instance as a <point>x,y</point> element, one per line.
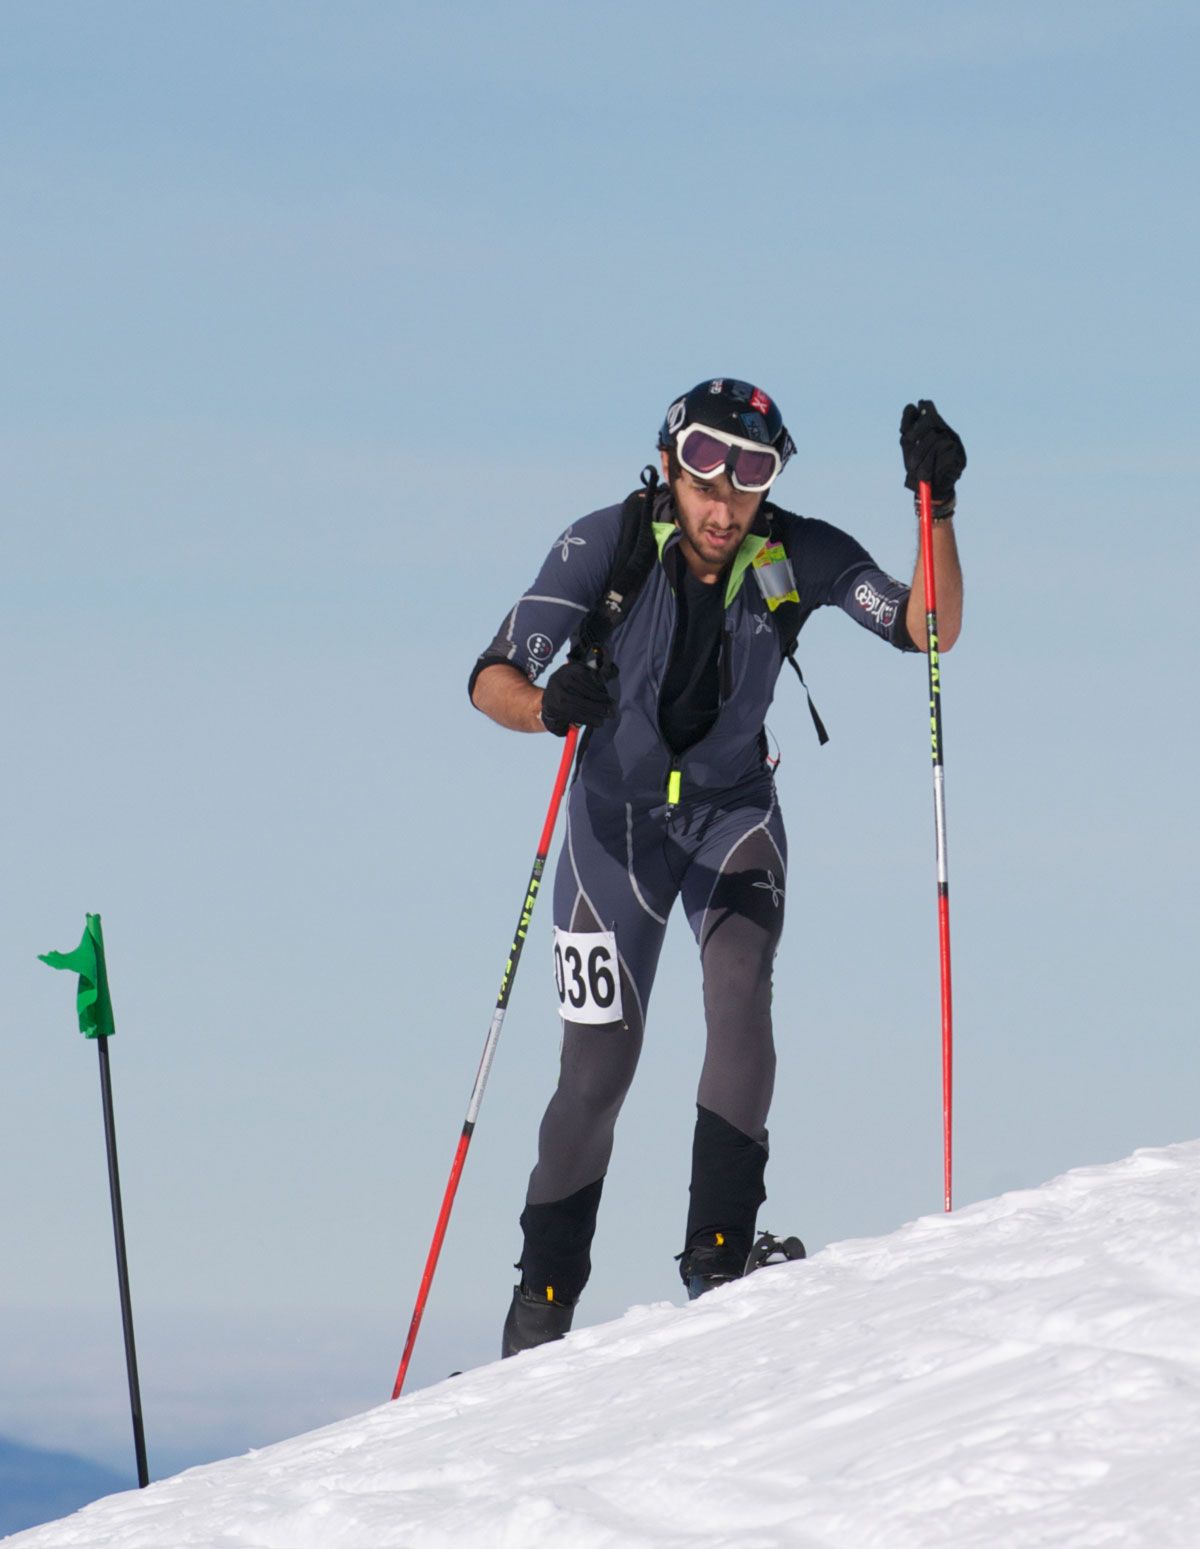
<point>322,322</point>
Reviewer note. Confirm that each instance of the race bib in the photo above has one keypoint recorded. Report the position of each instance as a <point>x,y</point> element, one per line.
<point>588,976</point>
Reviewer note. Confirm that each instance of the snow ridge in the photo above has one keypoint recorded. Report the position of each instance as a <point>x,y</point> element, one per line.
<point>1025,1372</point>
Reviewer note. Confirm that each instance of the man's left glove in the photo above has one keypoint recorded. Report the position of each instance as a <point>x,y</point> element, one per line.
<point>933,453</point>
<point>577,695</point>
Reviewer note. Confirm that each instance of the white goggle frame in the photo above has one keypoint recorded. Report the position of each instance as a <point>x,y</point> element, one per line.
<point>734,443</point>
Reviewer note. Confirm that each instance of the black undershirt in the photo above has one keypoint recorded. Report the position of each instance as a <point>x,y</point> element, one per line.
<point>691,691</point>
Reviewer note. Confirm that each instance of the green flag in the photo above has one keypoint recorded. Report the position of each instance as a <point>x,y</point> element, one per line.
<point>87,960</point>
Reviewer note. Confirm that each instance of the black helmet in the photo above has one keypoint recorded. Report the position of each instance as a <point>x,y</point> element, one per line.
<point>736,408</point>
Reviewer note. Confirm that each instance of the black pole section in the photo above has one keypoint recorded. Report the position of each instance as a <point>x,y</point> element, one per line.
<point>114,1189</point>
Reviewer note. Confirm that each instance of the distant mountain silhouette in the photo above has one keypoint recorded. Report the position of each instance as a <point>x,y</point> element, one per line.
<point>38,1486</point>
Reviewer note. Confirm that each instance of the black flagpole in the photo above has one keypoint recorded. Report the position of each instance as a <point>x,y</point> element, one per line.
<point>114,1189</point>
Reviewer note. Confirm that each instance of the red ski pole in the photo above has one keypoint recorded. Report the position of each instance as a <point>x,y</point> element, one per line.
<point>489,1052</point>
<point>939,817</point>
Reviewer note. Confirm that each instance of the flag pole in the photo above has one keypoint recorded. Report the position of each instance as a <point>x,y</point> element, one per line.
<point>114,1189</point>
<point>93,1004</point>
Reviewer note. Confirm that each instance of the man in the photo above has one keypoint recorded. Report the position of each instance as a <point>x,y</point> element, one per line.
<point>674,798</point>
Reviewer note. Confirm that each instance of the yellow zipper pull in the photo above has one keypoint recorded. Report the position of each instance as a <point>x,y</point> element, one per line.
<point>674,782</point>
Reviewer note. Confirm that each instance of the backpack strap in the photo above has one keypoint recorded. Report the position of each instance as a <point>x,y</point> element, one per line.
<point>822,734</point>
<point>632,564</point>
<point>790,619</point>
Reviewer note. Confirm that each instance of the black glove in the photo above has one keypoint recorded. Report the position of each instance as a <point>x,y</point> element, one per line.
<point>932,451</point>
<point>576,695</point>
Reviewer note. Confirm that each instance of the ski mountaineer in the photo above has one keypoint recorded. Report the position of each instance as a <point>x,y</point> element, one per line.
<point>674,797</point>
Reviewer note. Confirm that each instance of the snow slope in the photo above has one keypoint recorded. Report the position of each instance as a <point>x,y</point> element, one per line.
<point>1025,1372</point>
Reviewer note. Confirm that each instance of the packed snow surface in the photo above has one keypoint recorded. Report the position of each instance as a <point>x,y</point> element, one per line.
<point>1025,1372</point>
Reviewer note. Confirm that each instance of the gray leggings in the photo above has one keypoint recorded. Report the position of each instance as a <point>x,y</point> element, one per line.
<point>621,869</point>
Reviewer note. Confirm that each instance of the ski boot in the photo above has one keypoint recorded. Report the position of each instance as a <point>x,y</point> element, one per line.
<point>708,1261</point>
<point>712,1260</point>
<point>534,1320</point>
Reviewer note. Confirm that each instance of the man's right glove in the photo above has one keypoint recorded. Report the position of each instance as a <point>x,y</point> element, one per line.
<point>933,453</point>
<point>577,694</point>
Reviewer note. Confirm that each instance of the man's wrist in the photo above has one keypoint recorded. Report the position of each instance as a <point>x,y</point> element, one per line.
<point>942,510</point>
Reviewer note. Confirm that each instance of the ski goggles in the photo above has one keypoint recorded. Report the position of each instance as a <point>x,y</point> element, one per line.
<point>705,453</point>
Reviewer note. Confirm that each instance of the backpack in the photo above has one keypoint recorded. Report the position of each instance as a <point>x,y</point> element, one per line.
<point>637,551</point>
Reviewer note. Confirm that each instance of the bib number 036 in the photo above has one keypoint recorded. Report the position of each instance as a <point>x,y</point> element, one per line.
<point>588,976</point>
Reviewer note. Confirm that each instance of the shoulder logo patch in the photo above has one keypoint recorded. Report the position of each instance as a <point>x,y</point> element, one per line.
<point>568,541</point>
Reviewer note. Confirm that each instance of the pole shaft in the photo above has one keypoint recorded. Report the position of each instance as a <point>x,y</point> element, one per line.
<point>489,1053</point>
<point>114,1189</point>
<point>431,1261</point>
<point>939,817</point>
